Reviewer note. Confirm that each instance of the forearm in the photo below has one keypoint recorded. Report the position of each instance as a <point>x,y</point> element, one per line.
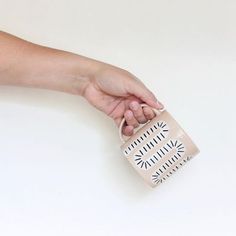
<point>108,88</point>
<point>26,64</point>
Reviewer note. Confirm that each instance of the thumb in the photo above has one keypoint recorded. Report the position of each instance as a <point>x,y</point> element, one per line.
<point>139,90</point>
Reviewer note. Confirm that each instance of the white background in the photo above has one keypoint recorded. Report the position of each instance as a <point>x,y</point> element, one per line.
<point>61,170</point>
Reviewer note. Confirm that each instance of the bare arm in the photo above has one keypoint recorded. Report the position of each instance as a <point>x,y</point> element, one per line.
<point>110,89</point>
<point>26,64</point>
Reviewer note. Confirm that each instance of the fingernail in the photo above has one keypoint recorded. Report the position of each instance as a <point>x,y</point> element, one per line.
<point>157,105</point>
<point>129,114</point>
<point>134,106</point>
<point>160,104</point>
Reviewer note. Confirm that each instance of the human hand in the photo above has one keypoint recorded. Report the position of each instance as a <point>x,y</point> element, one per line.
<point>112,90</point>
<point>118,94</point>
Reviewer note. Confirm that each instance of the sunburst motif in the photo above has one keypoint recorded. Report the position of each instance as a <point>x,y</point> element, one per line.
<point>156,178</point>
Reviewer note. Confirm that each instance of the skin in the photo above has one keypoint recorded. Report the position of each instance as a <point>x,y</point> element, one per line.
<point>110,89</point>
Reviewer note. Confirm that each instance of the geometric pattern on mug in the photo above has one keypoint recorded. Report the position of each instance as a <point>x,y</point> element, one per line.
<point>147,163</point>
<point>170,166</point>
<point>160,126</point>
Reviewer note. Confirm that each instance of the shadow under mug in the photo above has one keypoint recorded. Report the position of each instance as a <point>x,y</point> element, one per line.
<point>158,148</point>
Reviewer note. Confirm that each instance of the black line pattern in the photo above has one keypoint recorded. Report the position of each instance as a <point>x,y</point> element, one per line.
<point>156,176</point>
<point>159,154</point>
<point>162,134</point>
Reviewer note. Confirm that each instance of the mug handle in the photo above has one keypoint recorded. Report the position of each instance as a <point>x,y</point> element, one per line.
<point>157,112</point>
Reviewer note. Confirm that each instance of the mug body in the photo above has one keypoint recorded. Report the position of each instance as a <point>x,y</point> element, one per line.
<point>159,148</point>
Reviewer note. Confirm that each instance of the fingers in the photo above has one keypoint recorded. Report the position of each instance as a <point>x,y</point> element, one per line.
<point>135,116</point>
<point>130,119</point>
<point>149,113</point>
<point>128,130</point>
<point>138,112</point>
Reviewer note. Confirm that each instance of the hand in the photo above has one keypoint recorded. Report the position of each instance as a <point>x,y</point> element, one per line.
<point>112,90</point>
<point>118,94</point>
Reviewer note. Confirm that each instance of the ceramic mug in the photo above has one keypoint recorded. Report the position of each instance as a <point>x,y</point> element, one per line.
<point>158,148</point>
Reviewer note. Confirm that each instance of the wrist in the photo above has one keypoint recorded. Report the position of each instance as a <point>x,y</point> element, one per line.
<point>86,71</point>
<point>62,71</point>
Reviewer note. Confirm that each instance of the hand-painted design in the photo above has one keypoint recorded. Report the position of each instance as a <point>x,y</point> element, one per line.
<point>161,135</point>
<point>159,154</point>
<point>189,158</point>
<point>156,179</point>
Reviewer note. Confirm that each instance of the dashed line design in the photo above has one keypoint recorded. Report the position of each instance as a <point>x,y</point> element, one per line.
<point>156,177</point>
<point>161,135</point>
<point>159,154</point>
